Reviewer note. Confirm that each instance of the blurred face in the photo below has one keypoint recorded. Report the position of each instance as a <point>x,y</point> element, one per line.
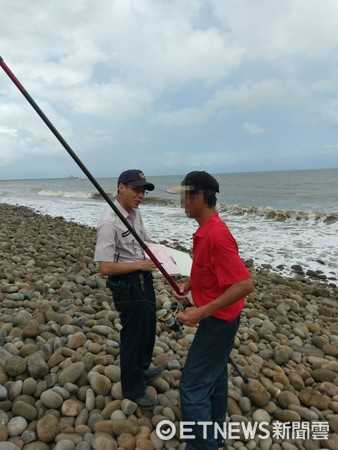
<point>130,197</point>
<point>193,203</point>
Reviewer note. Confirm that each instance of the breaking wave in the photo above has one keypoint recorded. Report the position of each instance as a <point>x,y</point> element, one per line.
<point>279,215</point>
<point>73,194</point>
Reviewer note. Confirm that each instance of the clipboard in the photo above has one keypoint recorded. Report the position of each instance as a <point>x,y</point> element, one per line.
<point>175,262</point>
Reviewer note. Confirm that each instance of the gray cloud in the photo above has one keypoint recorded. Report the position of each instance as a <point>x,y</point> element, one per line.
<point>183,84</point>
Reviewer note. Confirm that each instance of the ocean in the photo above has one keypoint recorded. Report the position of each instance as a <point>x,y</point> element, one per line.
<point>279,218</point>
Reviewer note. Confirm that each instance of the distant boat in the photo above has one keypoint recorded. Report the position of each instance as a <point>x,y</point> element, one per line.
<point>72,176</point>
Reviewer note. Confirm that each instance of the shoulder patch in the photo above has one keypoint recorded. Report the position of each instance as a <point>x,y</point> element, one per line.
<point>126,233</point>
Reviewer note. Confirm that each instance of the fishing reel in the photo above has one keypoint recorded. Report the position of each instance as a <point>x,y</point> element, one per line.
<point>169,317</point>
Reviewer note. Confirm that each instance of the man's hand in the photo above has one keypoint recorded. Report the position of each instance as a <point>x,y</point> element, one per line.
<point>114,268</point>
<point>184,289</point>
<point>147,265</point>
<point>191,316</point>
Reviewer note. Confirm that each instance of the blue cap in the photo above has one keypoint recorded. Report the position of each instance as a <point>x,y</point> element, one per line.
<point>135,177</point>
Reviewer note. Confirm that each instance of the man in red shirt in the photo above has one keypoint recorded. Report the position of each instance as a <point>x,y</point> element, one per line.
<point>219,281</point>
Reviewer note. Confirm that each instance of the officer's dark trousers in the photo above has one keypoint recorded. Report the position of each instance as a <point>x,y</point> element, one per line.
<point>137,335</point>
<point>204,382</point>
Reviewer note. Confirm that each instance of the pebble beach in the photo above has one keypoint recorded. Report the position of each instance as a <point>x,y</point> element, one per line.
<point>59,352</point>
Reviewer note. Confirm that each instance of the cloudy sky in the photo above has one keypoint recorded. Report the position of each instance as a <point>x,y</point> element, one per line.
<point>169,86</point>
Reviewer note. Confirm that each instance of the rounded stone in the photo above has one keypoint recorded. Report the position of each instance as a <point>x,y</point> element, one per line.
<point>124,426</point>
<point>15,365</point>
<point>100,384</point>
<point>102,441</point>
<point>29,386</point>
<point>3,392</point>
<point>126,441</point>
<point>287,415</point>
<point>90,400</point>
<point>51,399</point>
<point>47,428</point>
<point>71,408</point>
<point>3,432</point>
<point>286,398</point>
<point>256,392</point>
<point>71,373</point>
<point>260,415</point>
<point>37,365</point>
<point>65,444</point>
<point>282,353</point>
<point>310,397</point>
<point>296,381</point>
<point>8,446</point>
<point>128,407</point>
<point>16,426</point>
<point>24,409</point>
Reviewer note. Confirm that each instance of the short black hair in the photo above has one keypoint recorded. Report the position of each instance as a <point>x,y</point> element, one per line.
<point>210,198</point>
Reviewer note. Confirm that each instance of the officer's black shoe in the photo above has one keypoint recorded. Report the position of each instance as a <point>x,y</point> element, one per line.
<point>152,373</point>
<point>146,402</point>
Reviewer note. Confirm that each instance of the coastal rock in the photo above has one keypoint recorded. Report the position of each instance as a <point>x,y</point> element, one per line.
<point>100,384</point>
<point>128,407</point>
<point>286,398</point>
<point>282,354</point>
<point>323,374</point>
<point>51,399</point>
<point>310,397</point>
<point>25,409</point>
<point>16,426</point>
<point>287,415</point>
<point>37,366</point>
<point>126,441</point>
<point>71,373</point>
<point>256,392</point>
<point>15,365</point>
<point>103,441</point>
<point>260,415</point>
<point>60,384</point>
<point>47,428</point>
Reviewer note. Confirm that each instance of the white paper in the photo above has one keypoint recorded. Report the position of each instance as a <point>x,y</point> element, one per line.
<point>174,262</point>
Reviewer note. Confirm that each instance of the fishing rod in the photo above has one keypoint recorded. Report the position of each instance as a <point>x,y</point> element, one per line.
<point>88,174</point>
<point>99,188</point>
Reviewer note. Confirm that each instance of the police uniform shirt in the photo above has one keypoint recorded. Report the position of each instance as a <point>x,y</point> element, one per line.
<point>115,243</point>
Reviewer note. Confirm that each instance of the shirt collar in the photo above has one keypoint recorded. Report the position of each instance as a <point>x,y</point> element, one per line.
<point>203,229</point>
<point>124,212</point>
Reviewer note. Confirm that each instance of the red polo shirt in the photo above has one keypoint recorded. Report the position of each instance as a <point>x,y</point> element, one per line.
<point>216,266</point>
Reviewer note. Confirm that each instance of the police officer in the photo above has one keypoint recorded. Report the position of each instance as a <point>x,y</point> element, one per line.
<point>129,277</point>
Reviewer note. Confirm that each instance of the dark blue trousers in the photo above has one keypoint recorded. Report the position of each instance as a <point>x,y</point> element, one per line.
<point>204,382</point>
<point>137,335</point>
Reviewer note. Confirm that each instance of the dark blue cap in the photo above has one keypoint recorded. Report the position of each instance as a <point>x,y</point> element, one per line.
<point>135,177</point>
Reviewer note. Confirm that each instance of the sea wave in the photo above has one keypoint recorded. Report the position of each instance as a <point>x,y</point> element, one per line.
<point>158,201</point>
<point>98,196</point>
<point>279,215</point>
<point>68,194</point>
<point>73,194</point>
